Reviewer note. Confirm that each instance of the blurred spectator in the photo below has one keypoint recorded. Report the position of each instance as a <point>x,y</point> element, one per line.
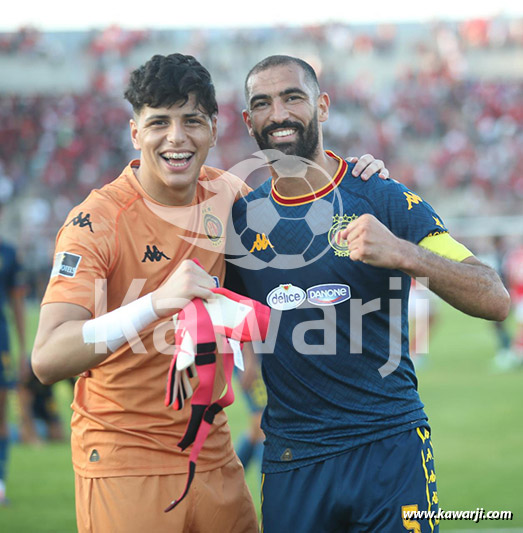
<point>12,295</point>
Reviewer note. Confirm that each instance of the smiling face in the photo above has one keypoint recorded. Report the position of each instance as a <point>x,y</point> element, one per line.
<point>174,143</point>
<point>285,110</point>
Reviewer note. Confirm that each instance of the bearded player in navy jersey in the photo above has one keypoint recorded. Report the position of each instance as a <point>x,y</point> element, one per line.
<point>347,440</point>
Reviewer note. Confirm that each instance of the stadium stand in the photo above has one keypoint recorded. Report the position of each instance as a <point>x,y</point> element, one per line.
<point>440,103</point>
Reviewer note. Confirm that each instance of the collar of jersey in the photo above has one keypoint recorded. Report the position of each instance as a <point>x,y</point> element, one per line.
<point>316,195</point>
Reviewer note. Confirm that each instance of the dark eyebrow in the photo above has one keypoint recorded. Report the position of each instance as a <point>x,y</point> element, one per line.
<point>291,90</point>
<point>156,117</point>
<point>195,114</point>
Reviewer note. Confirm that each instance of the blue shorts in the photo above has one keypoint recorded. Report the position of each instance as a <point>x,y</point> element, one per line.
<point>364,490</point>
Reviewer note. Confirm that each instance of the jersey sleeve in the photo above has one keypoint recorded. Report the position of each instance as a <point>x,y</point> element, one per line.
<point>406,214</point>
<point>84,253</point>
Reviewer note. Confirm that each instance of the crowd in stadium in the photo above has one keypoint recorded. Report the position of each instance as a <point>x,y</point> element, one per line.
<point>436,127</point>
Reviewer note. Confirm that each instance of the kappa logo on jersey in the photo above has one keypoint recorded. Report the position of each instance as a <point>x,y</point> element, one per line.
<point>341,247</point>
<point>82,221</point>
<point>262,242</point>
<point>213,228</point>
<point>286,297</point>
<point>65,264</point>
<point>412,199</point>
<point>153,254</point>
<point>328,294</point>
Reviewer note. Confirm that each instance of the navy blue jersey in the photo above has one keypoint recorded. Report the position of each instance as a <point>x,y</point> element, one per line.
<point>336,362</point>
<point>10,274</point>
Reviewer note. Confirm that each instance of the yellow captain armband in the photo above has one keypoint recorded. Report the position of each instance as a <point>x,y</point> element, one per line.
<point>443,244</point>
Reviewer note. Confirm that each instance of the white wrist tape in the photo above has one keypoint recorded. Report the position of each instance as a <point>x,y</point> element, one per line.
<point>121,325</point>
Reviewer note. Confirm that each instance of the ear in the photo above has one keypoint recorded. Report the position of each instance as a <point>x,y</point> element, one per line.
<point>323,107</point>
<point>134,134</point>
<point>214,130</point>
<point>248,122</point>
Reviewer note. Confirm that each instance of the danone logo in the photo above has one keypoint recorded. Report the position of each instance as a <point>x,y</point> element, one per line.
<point>286,297</point>
<point>328,294</point>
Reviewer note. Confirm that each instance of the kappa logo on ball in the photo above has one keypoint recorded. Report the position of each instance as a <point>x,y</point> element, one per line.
<point>328,294</point>
<point>286,297</point>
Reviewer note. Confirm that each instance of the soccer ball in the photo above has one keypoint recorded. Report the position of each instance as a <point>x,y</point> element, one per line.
<point>284,238</point>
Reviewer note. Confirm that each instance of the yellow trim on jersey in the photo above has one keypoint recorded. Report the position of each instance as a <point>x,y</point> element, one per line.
<point>443,244</point>
<point>314,195</point>
<point>423,438</point>
<point>261,493</point>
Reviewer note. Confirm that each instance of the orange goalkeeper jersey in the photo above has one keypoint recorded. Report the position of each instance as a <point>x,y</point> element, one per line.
<point>116,246</point>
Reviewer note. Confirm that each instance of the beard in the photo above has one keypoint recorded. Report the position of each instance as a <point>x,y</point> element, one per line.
<point>306,145</point>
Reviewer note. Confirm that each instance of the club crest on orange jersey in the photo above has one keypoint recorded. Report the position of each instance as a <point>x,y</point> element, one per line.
<point>213,227</point>
<point>340,222</point>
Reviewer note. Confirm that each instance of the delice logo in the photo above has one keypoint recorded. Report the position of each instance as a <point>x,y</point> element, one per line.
<point>286,297</point>
<point>328,294</point>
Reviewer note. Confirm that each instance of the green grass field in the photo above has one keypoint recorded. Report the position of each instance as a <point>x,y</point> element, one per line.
<point>475,413</point>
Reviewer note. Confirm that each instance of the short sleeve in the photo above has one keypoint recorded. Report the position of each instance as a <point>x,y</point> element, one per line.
<point>407,214</point>
<point>84,253</point>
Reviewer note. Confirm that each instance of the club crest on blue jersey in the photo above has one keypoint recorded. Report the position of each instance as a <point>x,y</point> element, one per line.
<point>286,297</point>
<point>328,294</point>
<point>341,248</point>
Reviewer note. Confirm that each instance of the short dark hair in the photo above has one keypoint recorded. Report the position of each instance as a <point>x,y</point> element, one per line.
<point>279,60</point>
<point>165,80</point>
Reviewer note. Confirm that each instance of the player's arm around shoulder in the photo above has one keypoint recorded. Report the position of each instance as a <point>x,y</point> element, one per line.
<point>466,283</point>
